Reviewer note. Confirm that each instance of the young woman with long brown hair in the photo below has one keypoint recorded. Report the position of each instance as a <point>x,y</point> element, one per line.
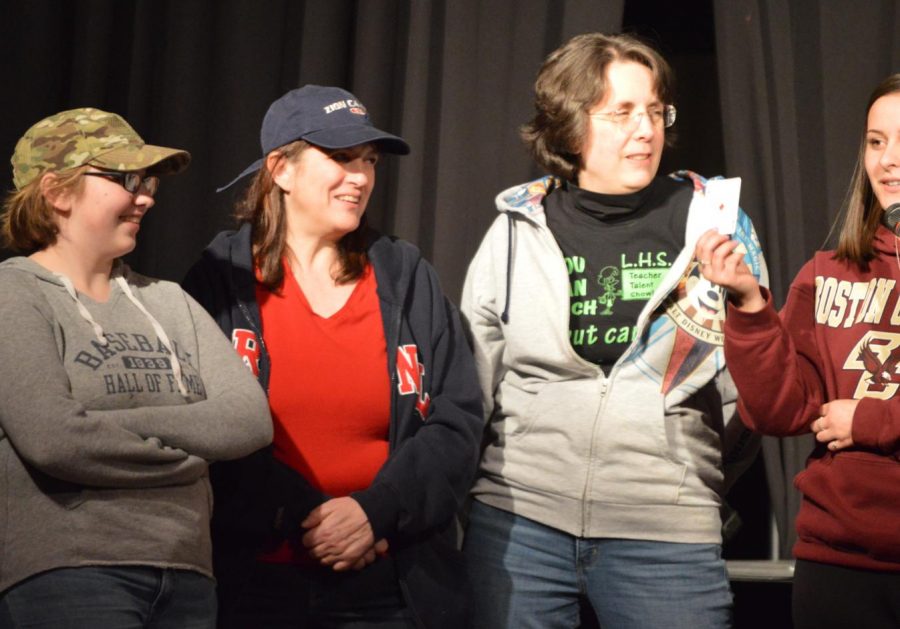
<point>828,364</point>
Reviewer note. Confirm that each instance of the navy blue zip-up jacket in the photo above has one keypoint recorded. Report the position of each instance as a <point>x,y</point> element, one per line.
<point>435,431</point>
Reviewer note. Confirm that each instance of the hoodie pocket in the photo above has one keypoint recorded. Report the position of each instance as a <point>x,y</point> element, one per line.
<point>851,503</point>
<point>633,461</point>
<point>533,412</point>
<point>551,409</point>
<point>518,409</point>
<point>544,437</point>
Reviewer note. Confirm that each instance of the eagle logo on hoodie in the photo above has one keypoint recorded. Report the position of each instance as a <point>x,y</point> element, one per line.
<point>882,373</point>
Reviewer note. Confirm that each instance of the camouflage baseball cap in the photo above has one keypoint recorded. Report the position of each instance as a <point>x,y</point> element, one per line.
<point>89,136</point>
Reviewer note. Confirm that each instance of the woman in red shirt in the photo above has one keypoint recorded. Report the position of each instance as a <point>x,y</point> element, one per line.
<point>350,517</point>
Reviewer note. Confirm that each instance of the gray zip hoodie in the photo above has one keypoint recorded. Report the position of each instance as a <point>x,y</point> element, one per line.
<point>105,435</point>
<point>641,454</point>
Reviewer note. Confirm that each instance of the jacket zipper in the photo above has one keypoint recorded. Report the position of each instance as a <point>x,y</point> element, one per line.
<point>605,381</point>
<point>585,502</point>
<point>393,344</point>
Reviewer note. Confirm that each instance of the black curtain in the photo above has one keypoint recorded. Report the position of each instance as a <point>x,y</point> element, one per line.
<point>453,77</point>
<point>795,77</point>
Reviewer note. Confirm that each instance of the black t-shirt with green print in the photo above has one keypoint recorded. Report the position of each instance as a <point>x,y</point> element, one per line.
<point>617,249</point>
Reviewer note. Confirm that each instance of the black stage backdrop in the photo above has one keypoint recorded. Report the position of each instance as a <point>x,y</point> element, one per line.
<point>769,90</point>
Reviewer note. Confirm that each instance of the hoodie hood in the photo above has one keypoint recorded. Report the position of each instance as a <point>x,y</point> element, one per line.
<point>527,199</point>
<point>885,241</point>
<point>119,277</point>
<point>29,266</point>
<point>395,262</point>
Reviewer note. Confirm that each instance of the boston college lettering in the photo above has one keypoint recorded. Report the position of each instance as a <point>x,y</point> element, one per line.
<point>840,303</point>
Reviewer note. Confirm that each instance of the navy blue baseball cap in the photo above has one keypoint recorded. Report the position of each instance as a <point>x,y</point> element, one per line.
<point>327,117</point>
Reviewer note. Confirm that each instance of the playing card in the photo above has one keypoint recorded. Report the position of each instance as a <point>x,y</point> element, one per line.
<point>722,198</point>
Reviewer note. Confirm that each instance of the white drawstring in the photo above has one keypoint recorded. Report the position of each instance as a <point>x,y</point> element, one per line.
<point>176,365</point>
<point>82,310</point>
<point>98,330</point>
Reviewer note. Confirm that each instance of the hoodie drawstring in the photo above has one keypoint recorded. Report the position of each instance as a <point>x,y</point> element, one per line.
<point>504,316</point>
<point>98,330</point>
<point>157,327</point>
<point>82,309</point>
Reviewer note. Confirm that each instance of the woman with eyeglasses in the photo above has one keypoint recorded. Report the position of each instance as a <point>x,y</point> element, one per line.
<point>116,391</point>
<point>827,364</point>
<point>610,415</point>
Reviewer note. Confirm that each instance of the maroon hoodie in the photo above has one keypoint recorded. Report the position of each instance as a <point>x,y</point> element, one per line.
<point>838,337</point>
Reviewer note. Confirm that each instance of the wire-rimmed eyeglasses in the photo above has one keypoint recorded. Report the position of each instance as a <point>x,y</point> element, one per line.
<point>628,121</point>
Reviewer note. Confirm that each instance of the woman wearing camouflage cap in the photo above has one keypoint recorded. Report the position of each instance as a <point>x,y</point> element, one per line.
<point>116,390</point>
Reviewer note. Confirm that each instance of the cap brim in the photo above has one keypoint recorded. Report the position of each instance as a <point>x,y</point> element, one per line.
<point>345,137</point>
<point>252,168</point>
<point>158,160</point>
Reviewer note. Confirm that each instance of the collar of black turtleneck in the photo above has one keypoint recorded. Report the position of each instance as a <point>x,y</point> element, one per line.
<point>607,206</point>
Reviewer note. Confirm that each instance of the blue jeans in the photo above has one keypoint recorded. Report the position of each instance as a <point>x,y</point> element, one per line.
<point>124,597</point>
<point>526,575</point>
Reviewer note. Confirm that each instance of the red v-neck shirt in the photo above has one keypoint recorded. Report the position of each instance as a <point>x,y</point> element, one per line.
<point>329,388</point>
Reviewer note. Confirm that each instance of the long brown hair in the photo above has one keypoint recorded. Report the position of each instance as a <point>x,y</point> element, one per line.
<point>263,207</point>
<point>572,80</point>
<point>861,209</point>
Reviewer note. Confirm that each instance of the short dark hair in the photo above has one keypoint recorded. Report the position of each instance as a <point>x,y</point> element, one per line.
<point>571,80</point>
<point>861,209</point>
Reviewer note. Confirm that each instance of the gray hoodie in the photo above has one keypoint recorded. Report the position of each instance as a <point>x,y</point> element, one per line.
<point>104,437</point>
<point>641,454</point>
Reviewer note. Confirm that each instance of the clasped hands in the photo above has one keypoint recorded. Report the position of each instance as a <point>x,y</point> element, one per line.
<point>338,534</point>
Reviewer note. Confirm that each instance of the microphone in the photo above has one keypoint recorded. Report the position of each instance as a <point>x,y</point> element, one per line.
<point>891,218</point>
